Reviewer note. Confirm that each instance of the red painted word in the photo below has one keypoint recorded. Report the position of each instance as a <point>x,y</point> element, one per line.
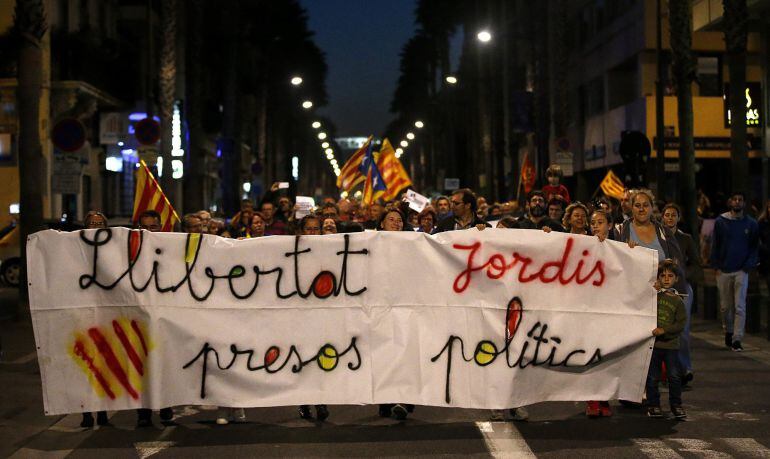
<point>497,266</point>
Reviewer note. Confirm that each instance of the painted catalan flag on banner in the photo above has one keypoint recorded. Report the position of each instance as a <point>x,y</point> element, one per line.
<point>612,186</point>
<point>350,174</point>
<point>149,196</point>
<point>393,172</point>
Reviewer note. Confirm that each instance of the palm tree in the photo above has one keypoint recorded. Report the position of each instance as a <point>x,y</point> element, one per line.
<point>736,18</point>
<point>167,83</point>
<point>684,72</point>
<point>30,27</point>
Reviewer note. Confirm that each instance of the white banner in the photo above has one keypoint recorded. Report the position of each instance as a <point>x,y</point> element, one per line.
<point>478,319</point>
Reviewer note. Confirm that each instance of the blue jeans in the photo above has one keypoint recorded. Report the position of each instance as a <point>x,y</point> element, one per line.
<point>671,358</point>
<point>684,339</point>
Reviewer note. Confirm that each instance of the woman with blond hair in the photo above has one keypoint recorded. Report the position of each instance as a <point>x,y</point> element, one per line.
<point>575,218</point>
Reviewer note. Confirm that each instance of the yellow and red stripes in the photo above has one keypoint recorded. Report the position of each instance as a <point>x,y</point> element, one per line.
<point>149,196</point>
<point>114,360</point>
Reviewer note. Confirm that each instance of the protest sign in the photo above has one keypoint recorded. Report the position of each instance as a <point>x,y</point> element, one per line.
<point>305,205</point>
<point>417,202</point>
<point>479,319</point>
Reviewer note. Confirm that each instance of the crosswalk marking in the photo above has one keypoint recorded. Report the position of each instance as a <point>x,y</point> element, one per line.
<point>748,447</point>
<point>505,441</point>
<point>656,449</point>
<point>701,448</point>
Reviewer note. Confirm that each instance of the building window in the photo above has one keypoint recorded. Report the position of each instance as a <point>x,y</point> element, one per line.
<point>710,76</point>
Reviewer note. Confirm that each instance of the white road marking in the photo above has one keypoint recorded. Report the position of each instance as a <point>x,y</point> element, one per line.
<point>700,448</point>
<point>656,449</point>
<point>505,441</point>
<point>748,447</point>
<point>146,449</point>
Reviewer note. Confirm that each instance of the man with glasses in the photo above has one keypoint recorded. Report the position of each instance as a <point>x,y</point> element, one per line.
<point>149,220</point>
<point>464,216</point>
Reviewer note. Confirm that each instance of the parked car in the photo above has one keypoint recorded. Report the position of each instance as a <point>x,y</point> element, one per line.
<point>10,258</point>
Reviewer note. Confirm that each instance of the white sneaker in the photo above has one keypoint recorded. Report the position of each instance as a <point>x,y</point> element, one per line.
<point>519,414</point>
<point>222,421</point>
<point>222,415</point>
<point>238,415</point>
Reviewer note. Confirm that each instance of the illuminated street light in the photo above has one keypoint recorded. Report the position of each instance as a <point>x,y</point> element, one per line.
<point>419,124</point>
<point>316,124</point>
<point>404,143</point>
<point>296,81</point>
<point>329,151</point>
<point>321,135</point>
<point>325,145</point>
<point>307,105</point>
<point>451,79</point>
<point>399,151</point>
<point>410,136</point>
<point>484,36</point>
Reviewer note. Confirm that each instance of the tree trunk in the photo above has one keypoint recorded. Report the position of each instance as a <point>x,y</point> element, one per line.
<point>194,178</point>
<point>680,19</point>
<point>167,82</point>
<point>30,26</point>
<point>736,36</point>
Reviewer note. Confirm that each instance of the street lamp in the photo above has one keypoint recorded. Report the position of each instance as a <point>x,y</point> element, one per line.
<point>296,81</point>
<point>484,36</point>
<point>321,135</point>
<point>410,136</point>
<point>451,79</point>
<point>307,105</point>
<point>316,124</point>
<point>329,151</point>
<point>404,143</point>
<point>325,145</point>
<point>399,152</point>
<point>419,124</point>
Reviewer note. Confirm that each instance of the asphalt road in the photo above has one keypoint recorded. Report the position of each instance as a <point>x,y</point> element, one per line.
<point>728,407</point>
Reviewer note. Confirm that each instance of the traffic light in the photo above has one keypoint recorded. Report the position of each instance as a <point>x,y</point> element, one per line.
<point>635,151</point>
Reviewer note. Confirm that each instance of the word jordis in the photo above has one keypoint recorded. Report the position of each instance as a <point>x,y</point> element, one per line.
<point>497,266</point>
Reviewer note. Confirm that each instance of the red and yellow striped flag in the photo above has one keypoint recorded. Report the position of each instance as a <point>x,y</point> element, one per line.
<point>350,175</point>
<point>149,196</point>
<point>612,186</point>
<point>393,173</point>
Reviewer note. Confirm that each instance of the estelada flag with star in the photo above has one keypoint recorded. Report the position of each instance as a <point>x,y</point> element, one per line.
<point>149,196</point>
<point>374,182</point>
<point>393,172</point>
<point>350,174</point>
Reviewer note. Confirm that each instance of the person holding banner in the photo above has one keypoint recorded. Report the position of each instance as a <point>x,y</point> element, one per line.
<point>150,220</point>
<point>537,217</point>
<point>393,220</point>
<point>644,231</point>
<point>94,220</point>
<point>575,218</point>
<point>464,209</point>
<point>310,225</point>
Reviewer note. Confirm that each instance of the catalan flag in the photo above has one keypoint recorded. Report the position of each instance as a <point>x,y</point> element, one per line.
<point>373,184</point>
<point>527,174</point>
<point>393,172</point>
<point>149,196</point>
<point>612,186</point>
<point>350,174</point>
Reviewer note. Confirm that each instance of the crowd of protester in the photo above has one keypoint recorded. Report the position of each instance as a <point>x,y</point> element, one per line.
<point>733,248</point>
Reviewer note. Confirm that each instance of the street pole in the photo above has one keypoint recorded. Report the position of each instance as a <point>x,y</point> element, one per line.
<point>660,160</point>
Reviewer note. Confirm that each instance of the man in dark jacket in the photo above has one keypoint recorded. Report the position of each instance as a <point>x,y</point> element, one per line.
<point>734,252</point>
<point>464,213</point>
<point>537,217</point>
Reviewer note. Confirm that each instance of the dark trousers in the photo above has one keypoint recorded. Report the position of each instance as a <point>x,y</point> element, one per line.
<point>671,358</point>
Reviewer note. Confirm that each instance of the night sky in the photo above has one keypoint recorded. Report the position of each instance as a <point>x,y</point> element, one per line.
<point>362,41</point>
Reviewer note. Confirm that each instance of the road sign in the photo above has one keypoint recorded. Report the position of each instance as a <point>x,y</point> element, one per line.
<point>68,135</point>
<point>451,183</point>
<point>147,131</point>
